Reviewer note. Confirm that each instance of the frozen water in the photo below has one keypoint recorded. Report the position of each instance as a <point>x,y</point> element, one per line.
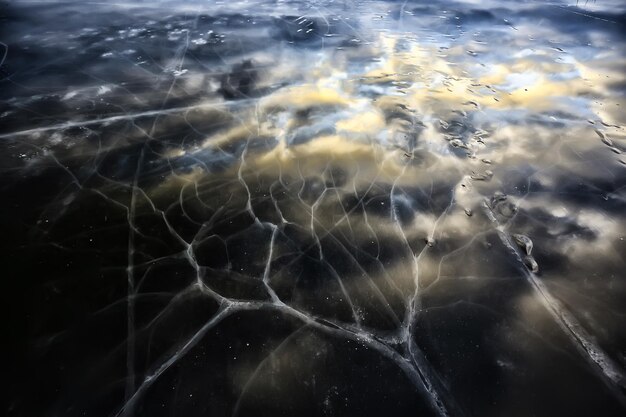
<point>314,208</point>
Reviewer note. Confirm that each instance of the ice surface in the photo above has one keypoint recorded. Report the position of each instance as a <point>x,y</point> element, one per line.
<point>314,208</point>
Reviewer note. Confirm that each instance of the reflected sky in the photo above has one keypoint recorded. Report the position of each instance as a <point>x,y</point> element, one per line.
<point>317,208</point>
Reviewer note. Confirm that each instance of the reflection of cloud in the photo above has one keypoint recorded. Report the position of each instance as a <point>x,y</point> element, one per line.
<point>350,167</point>
<point>305,97</point>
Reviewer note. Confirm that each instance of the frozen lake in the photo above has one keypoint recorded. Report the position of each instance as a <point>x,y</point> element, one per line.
<point>314,208</point>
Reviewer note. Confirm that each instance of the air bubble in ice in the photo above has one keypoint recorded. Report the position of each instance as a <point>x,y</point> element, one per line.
<point>524,242</point>
<point>531,264</point>
<point>485,176</point>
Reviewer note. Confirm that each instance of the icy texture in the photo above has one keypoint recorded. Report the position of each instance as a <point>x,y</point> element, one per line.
<point>315,208</point>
